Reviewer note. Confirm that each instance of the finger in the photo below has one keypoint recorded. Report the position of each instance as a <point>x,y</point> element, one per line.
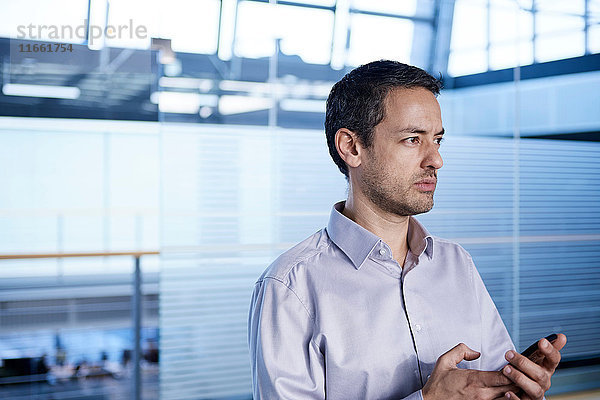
<point>539,357</point>
<point>521,395</point>
<point>551,355</point>
<point>530,387</point>
<point>493,378</point>
<point>532,370</point>
<point>458,353</point>
<point>559,342</point>
<point>499,391</point>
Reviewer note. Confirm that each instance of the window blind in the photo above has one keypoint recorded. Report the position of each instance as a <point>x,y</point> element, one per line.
<point>236,197</point>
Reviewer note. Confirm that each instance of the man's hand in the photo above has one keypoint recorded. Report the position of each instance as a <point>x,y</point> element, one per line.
<point>449,382</point>
<point>533,375</point>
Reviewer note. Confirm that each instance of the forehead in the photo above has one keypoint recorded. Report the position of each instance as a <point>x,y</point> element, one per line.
<point>412,106</point>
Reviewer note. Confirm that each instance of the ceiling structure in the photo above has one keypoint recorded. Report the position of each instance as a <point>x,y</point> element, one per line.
<point>159,83</point>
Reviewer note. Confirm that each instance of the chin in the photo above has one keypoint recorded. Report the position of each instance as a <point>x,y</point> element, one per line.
<point>423,209</point>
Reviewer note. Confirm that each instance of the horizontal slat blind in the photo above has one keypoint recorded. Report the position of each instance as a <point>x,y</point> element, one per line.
<point>235,198</point>
<point>560,278</point>
<point>474,206</point>
<point>558,231</point>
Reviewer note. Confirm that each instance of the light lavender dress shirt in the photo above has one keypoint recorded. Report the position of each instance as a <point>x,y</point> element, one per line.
<point>336,317</point>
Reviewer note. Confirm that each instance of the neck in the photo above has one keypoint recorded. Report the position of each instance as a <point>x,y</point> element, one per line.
<point>391,228</point>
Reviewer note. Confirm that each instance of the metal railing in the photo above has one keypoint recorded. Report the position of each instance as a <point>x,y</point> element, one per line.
<point>136,299</point>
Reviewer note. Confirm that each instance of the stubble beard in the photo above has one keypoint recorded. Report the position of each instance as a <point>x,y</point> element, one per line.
<point>393,196</point>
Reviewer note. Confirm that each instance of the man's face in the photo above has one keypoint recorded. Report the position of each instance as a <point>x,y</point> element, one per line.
<point>398,172</point>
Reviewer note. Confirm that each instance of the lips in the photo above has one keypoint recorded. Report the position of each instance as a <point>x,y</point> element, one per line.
<point>426,185</point>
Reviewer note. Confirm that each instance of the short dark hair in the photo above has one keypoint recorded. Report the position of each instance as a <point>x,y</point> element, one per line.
<point>356,102</point>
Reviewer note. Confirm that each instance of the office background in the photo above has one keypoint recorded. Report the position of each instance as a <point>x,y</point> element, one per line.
<point>204,140</point>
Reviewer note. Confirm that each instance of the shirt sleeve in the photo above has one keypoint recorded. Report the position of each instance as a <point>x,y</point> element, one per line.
<point>286,363</point>
<point>495,340</point>
<point>418,395</point>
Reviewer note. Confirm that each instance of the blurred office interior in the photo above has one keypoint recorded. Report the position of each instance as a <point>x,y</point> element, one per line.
<point>203,140</point>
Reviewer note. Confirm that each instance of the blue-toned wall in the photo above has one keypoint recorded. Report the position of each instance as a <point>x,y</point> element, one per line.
<point>552,105</point>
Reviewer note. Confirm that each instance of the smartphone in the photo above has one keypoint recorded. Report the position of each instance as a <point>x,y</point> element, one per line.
<point>530,352</point>
<point>531,349</point>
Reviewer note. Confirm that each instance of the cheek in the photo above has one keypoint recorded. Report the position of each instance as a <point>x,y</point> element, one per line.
<point>393,154</point>
<point>407,172</point>
<point>403,163</point>
<point>394,163</point>
<point>398,174</point>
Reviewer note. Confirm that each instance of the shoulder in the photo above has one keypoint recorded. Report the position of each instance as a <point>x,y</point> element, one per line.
<point>287,280</point>
<point>298,258</point>
<point>445,248</point>
<point>453,256</point>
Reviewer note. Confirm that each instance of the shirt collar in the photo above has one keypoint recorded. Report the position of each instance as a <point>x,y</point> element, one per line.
<point>358,243</point>
<point>419,238</point>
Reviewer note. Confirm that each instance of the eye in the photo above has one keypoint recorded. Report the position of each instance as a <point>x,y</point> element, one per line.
<point>439,140</point>
<point>412,140</point>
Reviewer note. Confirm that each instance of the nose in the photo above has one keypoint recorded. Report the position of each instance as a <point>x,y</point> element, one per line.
<point>432,158</point>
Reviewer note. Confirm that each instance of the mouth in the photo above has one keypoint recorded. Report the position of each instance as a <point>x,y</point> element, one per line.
<point>426,185</point>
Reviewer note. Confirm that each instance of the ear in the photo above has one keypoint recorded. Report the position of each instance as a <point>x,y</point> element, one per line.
<point>348,147</point>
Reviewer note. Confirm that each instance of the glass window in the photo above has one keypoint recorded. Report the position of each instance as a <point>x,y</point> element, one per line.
<point>511,35</point>
<point>594,9</point>
<point>566,18</point>
<point>192,26</point>
<point>551,22</point>
<point>56,21</point>
<point>326,3</point>
<point>469,38</point>
<point>306,32</point>
<point>523,4</point>
<point>559,29</point>
<point>469,27</point>
<point>594,38</point>
<point>405,7</point>
<point>373,38</point>
<point>559,46</point>
<point>509,55</point>
<point>134,13</point>
<point>508,22</point>
<point>467,62</point>
<point>571,7</point>
<point>594,29</point>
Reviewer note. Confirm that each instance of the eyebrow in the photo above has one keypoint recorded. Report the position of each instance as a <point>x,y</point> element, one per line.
<point>414,129</point>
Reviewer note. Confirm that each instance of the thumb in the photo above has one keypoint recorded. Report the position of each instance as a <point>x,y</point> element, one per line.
<point>457,354</point>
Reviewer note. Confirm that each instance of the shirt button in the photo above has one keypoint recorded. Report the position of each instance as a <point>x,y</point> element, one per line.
<point>428,376</point>
<point>418,327</point>
<point>382,252</point>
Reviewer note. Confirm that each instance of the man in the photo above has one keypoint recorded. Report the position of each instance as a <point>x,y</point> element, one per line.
<point>373,306</point>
